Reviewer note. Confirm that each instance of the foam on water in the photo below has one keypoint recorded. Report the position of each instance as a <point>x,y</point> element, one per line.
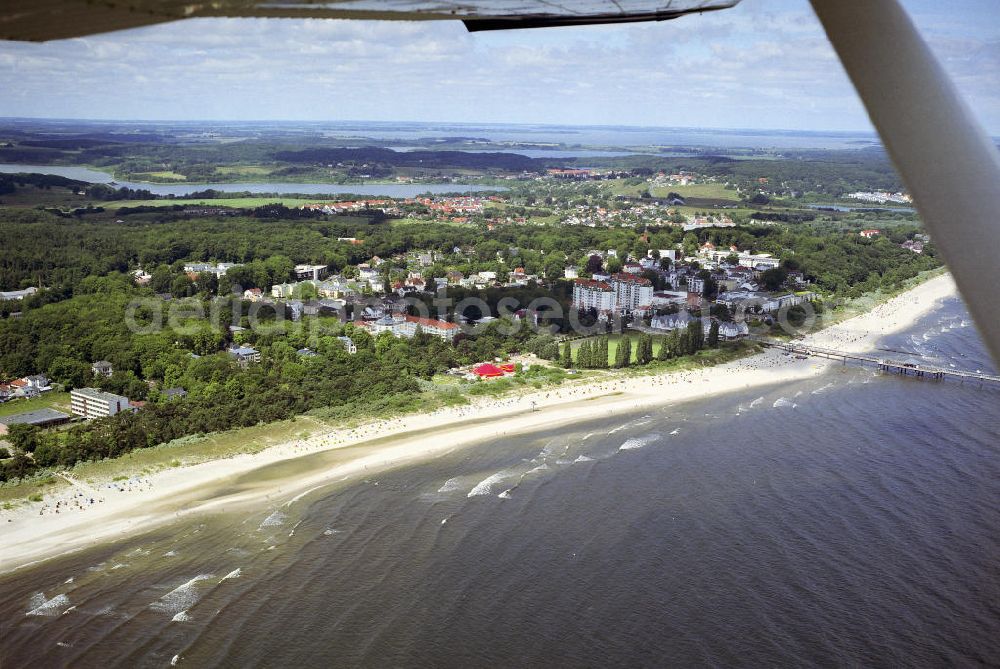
<point>450,485</point>
<point>181,598</point>
<point>676,430</point>
<point>783,402</point>
<point>584,458</point>
<point>275,519</point>
<point>756,402</point>
<point>38,605</point>
<point>639,442</point>
<point>485,487</point>
<point>233,574</point>
<point>181,617</point>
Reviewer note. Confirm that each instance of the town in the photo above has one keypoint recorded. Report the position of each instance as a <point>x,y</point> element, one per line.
<point>345,303</point>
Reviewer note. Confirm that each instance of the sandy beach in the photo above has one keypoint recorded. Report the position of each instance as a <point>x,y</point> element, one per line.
<point>98,511</point>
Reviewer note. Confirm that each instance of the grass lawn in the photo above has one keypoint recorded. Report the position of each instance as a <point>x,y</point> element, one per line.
<point>49,400</point>
<point>244,170</point>
<point>613,341</point>
<point>159,176</point>
<point>715,191</point>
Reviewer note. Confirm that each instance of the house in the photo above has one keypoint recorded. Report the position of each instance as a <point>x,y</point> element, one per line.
<point>519,278</point>
<point>307,353</point>
<point>174,393</point>
<point>94,403</point>
<point>868,234</point>
<point>666,298</point>
<point>17,294</point>
<point>571,273</point>
<point>244,355</point>
<point>349,345</point>
<point>366,273</point>
<point>102,368</point>
<point>218,269</point>
<point>406,326</point>
<point>454,277</point>
<point>141,277</point>
<point>38,383</point>
<point>253,294</point>
<point>696,285</point>
<point>282,290</point>
<point>670,322</point>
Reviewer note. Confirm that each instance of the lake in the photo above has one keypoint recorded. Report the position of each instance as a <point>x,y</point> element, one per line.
<point>182,189</point>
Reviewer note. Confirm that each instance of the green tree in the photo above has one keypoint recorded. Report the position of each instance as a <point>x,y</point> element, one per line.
<point>567,355</point>
<point>713,335</point>
<point>23,437</point>
<point>623,356</point>
<point>644,349</point>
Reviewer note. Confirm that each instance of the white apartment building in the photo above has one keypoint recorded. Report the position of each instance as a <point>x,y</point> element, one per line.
<point>590,294</point>
<point>406,326</point>
<point>632,293</point>
<point>94,403</point>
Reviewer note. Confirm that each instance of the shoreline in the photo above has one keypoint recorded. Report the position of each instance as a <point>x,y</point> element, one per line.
<point>127,508</point>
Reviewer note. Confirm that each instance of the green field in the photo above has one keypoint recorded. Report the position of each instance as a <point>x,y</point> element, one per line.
<point>715,191</point>
<point>244,170</point>
<point>49,400</point>
<point>158,176</point>
<point>613,341</point>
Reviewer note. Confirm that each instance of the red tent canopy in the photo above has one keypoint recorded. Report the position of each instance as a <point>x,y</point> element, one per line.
<point>487,370</point>
<point>508,367</point>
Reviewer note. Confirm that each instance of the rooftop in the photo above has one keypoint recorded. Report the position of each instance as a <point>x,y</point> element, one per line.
<point>37,417</point>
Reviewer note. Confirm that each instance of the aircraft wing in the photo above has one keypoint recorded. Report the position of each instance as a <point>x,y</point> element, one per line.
<point>41,20</point>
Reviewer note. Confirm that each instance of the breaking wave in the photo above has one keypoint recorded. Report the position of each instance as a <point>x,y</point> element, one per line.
<point>181,598</point>
<point>639,442</point>
<point>38,605</point>
<point>485,487</point>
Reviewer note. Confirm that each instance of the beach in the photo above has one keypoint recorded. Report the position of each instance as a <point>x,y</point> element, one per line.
<point>100,511</point>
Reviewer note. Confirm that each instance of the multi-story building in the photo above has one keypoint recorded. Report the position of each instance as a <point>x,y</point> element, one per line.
<point>314,272</point>
<point>406,326</point>
<point>218,269</point>
<point>632,293</point>
<point>244,355</point>
<point>590,294</point>
<point>94,403</point>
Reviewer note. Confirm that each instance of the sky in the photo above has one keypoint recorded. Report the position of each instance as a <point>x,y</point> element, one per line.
<point>764,64</point>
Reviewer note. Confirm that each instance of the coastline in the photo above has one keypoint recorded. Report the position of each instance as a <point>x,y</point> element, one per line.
<point>208,487</point>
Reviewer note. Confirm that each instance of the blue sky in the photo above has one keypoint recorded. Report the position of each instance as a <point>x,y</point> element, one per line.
<point>764,64</point>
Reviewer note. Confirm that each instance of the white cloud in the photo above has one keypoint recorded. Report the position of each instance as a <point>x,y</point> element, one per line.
<point>763,64</point>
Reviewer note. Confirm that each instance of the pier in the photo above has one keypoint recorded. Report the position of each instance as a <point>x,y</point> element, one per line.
<point>889,366</point>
